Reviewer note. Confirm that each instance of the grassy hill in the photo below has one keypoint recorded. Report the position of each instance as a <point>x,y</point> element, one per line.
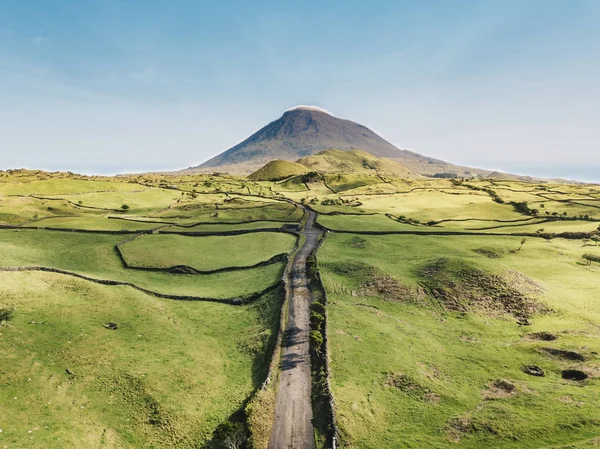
<point>277,170</point>
<point>353,162</point>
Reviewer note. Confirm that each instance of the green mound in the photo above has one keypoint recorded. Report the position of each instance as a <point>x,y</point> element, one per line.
<point>277,170</point>
<point>460,287</point>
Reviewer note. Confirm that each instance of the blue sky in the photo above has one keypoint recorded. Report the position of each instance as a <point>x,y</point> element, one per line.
<point>108,86</point>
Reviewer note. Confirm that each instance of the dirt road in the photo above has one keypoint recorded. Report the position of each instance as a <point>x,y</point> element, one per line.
<point>293,427</point>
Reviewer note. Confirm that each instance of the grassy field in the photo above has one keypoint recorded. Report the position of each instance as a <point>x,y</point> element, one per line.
<point>409,371</point>
<point>428,335</point>
<point>235,210</point>
<point>166,377</point>
<point>94,255</point>
<point>138,202</point>
<point>206,253</point>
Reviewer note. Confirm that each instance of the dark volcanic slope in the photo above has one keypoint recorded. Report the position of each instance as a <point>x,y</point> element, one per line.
<point>304,131</point>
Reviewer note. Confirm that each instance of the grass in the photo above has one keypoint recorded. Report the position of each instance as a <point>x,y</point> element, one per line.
<point>141,202</point>
<point>206,253</point>
<point>167,377</point>
<point>94,255</point>
<point>234,210</point>
<point>62,186</point>
<point>423,354</point>
<point>448,361</point>
<point>19,211</point>
<point>277,170</point>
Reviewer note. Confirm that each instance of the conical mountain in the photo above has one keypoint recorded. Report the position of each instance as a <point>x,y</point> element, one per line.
<point>307,130</point>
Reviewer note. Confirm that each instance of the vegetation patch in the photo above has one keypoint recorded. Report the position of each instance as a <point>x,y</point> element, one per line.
<point>6,314</point>
<point>589,258</point>
<point>406,384</point>
<point>391,289</point>
<point>492,253</point>
<point>564,354</point>
<point>359,271</point>
<point>544,336</point>
<point>500,389</point>
<point>278,170</point>
<point>358,242</point>
<point>462,288</point>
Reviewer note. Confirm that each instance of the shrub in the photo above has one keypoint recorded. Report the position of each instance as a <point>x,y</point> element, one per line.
<point>316,319</point>
<point>316,339</point>
<point>5,314</point>
<point>312,176</point>
<point>591,258</point>
<point>318,307</point>
<point>523,208</point>
<point>125,207</point>
<point>232,434</point>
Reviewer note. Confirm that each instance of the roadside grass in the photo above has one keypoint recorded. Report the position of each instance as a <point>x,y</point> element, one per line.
<point>94,255</point>
<point>206,253</point>
<point>407,373</point>
<point>166,377</point>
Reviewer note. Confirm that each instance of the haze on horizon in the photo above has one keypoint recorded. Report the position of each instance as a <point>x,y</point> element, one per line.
<point>112,86</point>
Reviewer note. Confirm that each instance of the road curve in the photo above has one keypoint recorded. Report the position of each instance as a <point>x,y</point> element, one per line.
<point>293,428</point>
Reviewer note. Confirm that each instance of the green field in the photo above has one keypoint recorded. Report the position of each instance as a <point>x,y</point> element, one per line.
<point>94,255</point>
<point>408,372</point>
<point>428,335</point>
<point>206,253</point>
<point>167,377</point>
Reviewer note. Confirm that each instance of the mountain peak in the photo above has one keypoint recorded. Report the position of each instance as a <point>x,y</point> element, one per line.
<point>304,107</point>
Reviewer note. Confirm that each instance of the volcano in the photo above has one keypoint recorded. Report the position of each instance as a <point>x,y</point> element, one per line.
<point>306,130</point>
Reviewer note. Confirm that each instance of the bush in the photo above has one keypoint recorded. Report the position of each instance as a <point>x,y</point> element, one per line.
<point>312,176</point>
<point>125,207</point>
<point>523,208</point>
<point>232,434</point>
<point>591,258</point>
<point>317,307</point>
<point>5,314</point>
<point>446,175</point>
<point>316,320</point>
<point>316,339</point>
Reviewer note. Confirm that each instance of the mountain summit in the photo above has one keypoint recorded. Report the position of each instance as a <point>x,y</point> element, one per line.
<point>306,130</point>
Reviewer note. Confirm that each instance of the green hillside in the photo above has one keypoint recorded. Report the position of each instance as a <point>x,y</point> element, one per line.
<point>278,170</point>
<point>355,161</point>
